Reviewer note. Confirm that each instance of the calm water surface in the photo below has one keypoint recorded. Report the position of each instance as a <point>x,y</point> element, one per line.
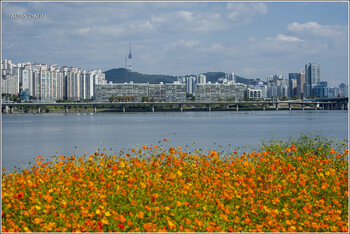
<point>25,136</point>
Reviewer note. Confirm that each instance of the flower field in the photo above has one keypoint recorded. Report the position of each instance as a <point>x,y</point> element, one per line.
<point>295,186</point>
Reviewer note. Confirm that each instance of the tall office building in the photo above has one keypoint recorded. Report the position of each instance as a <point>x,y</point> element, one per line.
<point>293,84</point>
<point>300,84</point>
<point>312,77</point>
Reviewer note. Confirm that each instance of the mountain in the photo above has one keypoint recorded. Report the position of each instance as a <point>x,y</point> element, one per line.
<point>122,75</point>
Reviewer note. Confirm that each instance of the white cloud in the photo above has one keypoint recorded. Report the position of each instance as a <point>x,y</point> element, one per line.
<point>189,21</point>
<point>282,37</point>
<point>186,15</point>
<point>316,29</point>
<point>84,30</point>
<point>182,44</point>
<point>244,12</point>
<point>9,9</point>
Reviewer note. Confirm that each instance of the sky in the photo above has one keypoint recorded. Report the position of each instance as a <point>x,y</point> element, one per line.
<point>251,39</point>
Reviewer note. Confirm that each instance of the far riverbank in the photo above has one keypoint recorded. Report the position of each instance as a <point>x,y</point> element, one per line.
<point>154,108</point>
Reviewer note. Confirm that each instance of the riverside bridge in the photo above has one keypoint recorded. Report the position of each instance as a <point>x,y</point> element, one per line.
<point>314,104</point>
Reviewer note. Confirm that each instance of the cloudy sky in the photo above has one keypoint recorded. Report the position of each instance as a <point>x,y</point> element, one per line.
<point>252,39</point>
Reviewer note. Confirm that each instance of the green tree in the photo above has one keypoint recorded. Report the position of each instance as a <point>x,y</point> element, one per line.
<point>111,99</point>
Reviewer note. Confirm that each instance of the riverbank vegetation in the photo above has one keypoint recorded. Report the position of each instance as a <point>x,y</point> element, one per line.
<point>299,185</point>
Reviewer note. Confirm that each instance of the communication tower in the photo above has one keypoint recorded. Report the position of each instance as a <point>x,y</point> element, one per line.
<point>130,57</point>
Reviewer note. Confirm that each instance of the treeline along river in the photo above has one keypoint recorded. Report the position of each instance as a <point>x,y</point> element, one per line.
<point>25,136</point>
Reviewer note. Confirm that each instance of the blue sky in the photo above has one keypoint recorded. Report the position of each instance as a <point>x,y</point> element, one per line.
<point>252,39</point>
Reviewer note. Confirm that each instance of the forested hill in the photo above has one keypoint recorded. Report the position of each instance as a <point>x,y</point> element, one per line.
<point>122,75</point>
<point>214,76</point>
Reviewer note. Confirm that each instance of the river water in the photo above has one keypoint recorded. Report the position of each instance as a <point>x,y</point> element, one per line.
<point>25,136</point>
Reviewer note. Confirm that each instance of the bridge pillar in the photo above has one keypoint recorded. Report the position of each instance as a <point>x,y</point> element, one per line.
<point>11,109</point>
<point>209,107</point>
<point>276,105</point>
<point>6,109</point>
<point>152,108</point>
<point>123,108</point>
<point>302,106</point>
<point>236,107</point>
<point>66,109</point>
<point>38,109</point>
<point>181,108</point>
<point>95,108</point>
<point>227,107</point>
<point>315,106</point>
<point>263,107</point>
<point>290,106</point>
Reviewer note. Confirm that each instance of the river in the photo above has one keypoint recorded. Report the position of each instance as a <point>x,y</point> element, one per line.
<point>25,136</point>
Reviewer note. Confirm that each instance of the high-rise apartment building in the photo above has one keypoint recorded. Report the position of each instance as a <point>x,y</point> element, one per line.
<point>277,86</point>
<point>216,91</point>
<point>230,77</point>
<point>190,84</point>
<point>201,79</point>
<point>49,83</point>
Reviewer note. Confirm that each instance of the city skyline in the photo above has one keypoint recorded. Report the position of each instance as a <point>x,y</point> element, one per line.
<point>254,39</point>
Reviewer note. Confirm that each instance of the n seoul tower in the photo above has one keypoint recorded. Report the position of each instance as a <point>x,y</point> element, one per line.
<point>130,57</point>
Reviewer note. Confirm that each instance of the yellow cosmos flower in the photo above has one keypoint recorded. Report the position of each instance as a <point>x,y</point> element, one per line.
<point>97,211</point>
<point>179,173</point>
<point>107,214</point>
<point>171,224</point>
<point>104,221</point>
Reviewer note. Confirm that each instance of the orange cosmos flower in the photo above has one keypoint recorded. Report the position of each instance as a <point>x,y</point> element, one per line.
<point>165,139</point>
<point>122,219</point>
<point>144,147</point>
<point>333,151</point>
<point>140,215</point>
